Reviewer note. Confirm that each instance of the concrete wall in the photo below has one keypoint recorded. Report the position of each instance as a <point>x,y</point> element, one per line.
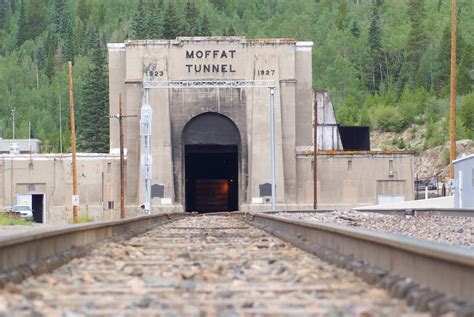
<point>284,61</point>
<point>98,184</point>
<point>350,180</point>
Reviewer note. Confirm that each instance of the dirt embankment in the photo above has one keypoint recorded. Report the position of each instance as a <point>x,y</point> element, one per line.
<point>428,163</point>
<point>435,161</point>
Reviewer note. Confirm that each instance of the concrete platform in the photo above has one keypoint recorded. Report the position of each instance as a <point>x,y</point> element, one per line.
<point>440,203</point>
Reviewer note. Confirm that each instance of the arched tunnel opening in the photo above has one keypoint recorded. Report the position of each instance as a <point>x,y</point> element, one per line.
<point>211,163</point>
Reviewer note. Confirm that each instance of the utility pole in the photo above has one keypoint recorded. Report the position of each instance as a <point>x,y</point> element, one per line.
<point>315,150</point>
<point>452,143</point>
<point>120,118</point>
<point>75,196</point>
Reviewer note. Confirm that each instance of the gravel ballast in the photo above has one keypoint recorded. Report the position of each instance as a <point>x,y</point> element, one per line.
<point>443,229</point>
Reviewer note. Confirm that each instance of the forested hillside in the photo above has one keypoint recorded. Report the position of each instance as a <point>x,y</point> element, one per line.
<point>385,62</point>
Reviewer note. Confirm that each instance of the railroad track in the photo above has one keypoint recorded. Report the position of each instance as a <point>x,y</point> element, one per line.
<point>222,265</point>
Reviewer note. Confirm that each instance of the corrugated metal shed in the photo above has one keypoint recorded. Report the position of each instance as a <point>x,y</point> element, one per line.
<point>464,182</point>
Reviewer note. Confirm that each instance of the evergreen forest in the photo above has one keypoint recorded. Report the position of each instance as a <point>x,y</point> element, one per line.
<point>386,63</point>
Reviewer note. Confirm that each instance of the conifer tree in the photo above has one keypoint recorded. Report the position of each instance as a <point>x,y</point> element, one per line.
<point>138,22</point>
<point>191,16</point>
<point>171,22</point>
<point>93,123</point>
<point>58,14</point>
<point>465,72</point>
<point>355,30</point>
<point>154,27</point>
<point>417,38</point>
<point>3,12</point>
<point>342,12</point>
<point>90,38</point>
<point>36,18</point>
<point>21,35</point>
<point>375,47</point>
<point>83,10</point>
<point>204,29</point>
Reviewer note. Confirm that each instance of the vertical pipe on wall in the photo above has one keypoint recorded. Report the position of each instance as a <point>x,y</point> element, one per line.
<point>315,151</point>
<point>272,127</point>
<point>122,171</point>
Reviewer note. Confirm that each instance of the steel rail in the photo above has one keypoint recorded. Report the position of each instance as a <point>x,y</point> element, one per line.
<point>444,268</point>
<point>444,212</point>
<point>29,247</point>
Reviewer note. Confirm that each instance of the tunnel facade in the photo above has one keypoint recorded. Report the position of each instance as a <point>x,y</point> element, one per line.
<point>213,141</point>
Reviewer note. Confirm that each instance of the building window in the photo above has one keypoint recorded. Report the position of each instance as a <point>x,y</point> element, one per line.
<point>349,166</point>
<point>110,204</point>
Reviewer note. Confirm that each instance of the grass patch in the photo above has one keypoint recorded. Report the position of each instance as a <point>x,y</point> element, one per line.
<point>82,219</point>
<point>10,220</point>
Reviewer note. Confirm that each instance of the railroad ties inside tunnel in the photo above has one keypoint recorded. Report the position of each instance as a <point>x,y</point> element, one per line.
<point>211,173</point>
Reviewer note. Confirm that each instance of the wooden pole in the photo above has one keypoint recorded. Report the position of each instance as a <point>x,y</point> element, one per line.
<point>315,150</point>
<point>452,135</point>
<point>73,146</point>
<point>122,167</point>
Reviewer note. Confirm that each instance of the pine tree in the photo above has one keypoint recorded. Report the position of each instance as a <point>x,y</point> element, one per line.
<point>204,29</point>
<point>355,30</point>
<point>465,72</point>
<point>93,123</point>
<point>138,22</point>
<point>171,22</point>
<point>154,27</point>
<point>58,14</point>
<point>417,37</point>
<point>21,35</point>
<point>83,10</point>
<point>191,16</point>
<point>90,38</point>
<point>341,16</point>
<point>36,18</point>
<point>375,47</point>
<point>3,12</point>
<point>442,65</point>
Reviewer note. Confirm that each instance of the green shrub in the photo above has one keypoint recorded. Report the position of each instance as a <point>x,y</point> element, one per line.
<point>10,220</point>
<point>388,119</point>
<point>82,219</point>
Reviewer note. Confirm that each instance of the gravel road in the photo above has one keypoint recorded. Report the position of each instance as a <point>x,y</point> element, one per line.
<point>199,266</point>
<point>451,230</point>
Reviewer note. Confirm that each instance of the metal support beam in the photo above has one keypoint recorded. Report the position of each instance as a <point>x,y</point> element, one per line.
<point>146,110</point>
<point>166,84</point>
<point>145,131</point>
